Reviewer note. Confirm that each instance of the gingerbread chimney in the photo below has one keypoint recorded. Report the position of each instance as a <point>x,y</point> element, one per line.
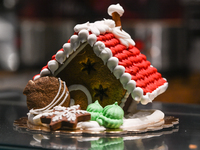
<point>116,11</point>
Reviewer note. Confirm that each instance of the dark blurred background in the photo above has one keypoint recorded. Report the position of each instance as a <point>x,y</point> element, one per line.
<point>166,31</point>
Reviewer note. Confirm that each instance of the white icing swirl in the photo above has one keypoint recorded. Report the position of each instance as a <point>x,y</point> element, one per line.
<point>115,8</point>
<point>124,37</point>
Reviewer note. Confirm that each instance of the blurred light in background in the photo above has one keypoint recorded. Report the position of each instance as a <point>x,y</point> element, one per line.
<point>9,58</point>
<point>9,3</point>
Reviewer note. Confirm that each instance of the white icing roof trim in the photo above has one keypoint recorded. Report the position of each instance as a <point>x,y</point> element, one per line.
<point>106,25</point>
<point>105,54</point>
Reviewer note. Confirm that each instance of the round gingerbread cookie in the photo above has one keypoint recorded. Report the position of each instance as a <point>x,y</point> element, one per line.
<point>43,91</point>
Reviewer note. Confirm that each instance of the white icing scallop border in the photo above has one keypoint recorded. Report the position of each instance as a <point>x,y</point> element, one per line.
<point>78,42</point>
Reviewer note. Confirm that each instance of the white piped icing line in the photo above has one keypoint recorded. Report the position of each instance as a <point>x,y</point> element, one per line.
<point>68,112</point>
<point>82,88</point>
<point>59,112</point>
<point>84,37</point>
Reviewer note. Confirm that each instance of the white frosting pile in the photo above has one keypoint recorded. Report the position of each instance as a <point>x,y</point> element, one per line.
<point>141,120</point>
<point>115,8</point>
<point>106,25</point>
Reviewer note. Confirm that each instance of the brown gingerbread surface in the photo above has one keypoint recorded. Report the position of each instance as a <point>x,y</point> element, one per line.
<point>42,91</point>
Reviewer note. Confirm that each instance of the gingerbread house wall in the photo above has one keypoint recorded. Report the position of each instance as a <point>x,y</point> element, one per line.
<point>88,70</point>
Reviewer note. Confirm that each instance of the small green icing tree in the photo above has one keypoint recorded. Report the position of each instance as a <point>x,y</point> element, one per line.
<point>95,109</point>
<point>110,116</point>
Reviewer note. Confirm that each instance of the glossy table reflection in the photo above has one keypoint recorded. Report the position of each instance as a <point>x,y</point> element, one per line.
<point>186,135</point>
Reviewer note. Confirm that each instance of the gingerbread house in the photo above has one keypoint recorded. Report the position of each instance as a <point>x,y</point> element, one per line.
<point>101,62</point>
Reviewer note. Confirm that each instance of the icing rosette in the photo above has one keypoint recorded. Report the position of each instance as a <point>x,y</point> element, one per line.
<point>111,117</point>
<point>95,109</point>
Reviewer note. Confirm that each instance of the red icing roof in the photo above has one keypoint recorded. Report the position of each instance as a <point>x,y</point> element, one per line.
<point>135,63</point>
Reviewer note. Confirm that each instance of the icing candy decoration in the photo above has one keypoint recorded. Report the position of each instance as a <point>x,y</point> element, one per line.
<point>64,117</point>
<point>111,117</point>
<point>95,109</point>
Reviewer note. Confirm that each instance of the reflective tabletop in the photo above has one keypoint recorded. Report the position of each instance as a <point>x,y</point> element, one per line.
<point>184,136</point>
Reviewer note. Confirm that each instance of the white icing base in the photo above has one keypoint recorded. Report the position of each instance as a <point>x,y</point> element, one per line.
<point>140,120</point>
